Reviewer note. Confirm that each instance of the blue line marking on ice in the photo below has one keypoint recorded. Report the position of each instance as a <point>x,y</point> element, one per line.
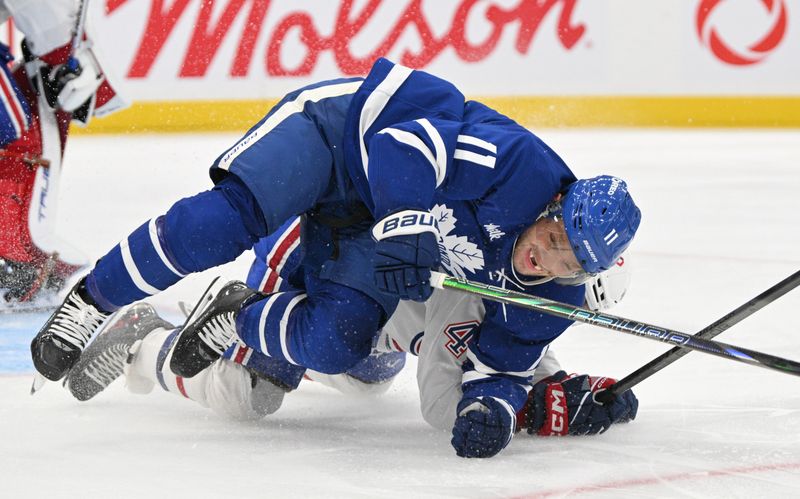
<point>16,333</point>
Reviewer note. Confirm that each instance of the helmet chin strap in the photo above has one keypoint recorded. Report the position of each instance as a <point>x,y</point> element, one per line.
<point>536,281</point>
<point>581,278</point>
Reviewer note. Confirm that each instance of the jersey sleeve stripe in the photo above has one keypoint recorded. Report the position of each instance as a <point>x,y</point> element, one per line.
<point>438,145</point>
<point>286,247</point>
<point>284,111</point>
<point>475,141</point>
<point>12,118</point>
<point>13,108</point>
<point>280,252</point>
<point>484,369</point>
<point>470,376</point>
<point>412,140</point>
<point>375,104</point>
<point>487,161</point>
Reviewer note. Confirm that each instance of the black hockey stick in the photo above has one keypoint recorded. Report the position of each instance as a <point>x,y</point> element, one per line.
<point>719,326</point>
<point>620,324</point>
<point>77,35</point>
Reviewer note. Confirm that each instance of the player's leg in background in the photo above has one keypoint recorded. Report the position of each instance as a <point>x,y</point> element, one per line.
<point>276,257</point>
<point>35,261</point>
<point>371,376</point>
<point>226,387</point>
<point>402,334</point>
<point>243,384</point>
<point>328,328</point>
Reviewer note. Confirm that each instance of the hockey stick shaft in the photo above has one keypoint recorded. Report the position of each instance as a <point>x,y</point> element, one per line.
<point>77,34</point>
<point>621,324</point>
<point>712,330</point>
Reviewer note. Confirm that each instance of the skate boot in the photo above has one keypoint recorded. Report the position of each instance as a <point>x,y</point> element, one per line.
<point>60,342</point>
<point>210,330</point>
<point>104,359</point>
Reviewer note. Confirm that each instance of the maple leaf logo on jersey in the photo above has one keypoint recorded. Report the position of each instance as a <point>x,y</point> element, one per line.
<point>458,253</point>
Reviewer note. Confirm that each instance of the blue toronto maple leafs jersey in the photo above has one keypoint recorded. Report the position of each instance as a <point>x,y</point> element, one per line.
<point>404,139</point>
<point>412,142</point>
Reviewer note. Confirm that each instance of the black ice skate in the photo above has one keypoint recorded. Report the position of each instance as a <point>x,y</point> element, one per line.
<point>104,359</point>
<point>210,330</point>
<point>61,340</point>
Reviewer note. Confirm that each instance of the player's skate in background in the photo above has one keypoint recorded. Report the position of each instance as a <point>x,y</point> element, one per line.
<point>53,85</point>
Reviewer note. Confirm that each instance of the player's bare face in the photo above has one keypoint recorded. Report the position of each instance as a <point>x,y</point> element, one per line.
<point>543,250</point>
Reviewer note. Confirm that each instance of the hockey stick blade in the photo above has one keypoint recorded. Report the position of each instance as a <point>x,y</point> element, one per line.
<point>620,324</point>
<point>712,330</point>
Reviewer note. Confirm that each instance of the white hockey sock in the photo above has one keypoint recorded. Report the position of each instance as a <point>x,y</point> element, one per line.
<point>225,387</point>
<point>150,366</point>
<point>140,370</point>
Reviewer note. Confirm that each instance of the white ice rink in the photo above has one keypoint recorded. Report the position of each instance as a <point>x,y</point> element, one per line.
<point>721,223</point>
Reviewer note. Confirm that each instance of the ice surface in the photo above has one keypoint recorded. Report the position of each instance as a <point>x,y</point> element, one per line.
<point>720,225</point>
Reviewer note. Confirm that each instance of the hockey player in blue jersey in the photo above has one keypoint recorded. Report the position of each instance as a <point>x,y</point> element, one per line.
<point>245,384</point>
<point>394,175</point>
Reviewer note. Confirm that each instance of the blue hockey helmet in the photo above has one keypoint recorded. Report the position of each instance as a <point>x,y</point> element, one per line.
<point>601,219</point>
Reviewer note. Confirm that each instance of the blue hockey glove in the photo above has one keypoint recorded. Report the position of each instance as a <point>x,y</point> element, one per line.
<point>406,251</point>
<point>565,405</point>
<point>483,428</point>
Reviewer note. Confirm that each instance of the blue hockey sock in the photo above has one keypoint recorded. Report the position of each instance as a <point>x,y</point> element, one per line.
<point>197,233</point>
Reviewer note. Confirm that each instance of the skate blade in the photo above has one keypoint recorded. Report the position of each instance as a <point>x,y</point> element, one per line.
<point>38,382</point>
<point>204,300</point>
<point>185,308</point>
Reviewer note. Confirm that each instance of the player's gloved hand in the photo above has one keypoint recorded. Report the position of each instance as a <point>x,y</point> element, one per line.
<point>68,85</point>
<point>406,251</point>
<point>483,428</point>
<point>562,404</point>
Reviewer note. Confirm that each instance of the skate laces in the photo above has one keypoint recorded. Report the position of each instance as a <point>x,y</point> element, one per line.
<point>218,332</point>
<point>76,321</point>
<point>107,367</point>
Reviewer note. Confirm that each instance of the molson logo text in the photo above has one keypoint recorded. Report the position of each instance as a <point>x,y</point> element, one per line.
<point>713,37</point>
<point>210,30</point>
